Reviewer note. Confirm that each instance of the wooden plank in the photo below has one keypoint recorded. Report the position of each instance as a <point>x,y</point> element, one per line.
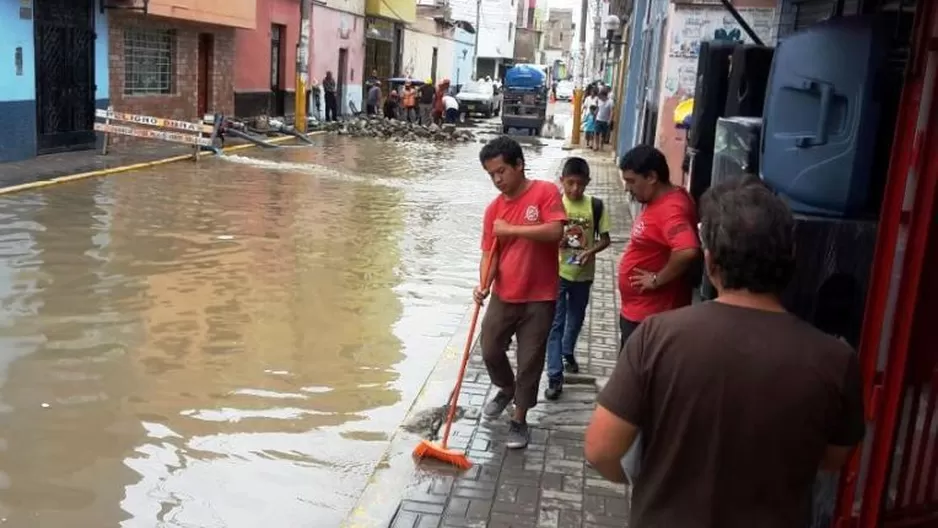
<point>152,121</point>
<point>152,133</point>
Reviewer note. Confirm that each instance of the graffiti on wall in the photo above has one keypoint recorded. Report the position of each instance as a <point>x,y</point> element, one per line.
<point>692,25</point>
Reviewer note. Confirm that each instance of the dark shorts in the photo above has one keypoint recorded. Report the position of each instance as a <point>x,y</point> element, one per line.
<point>530,323</point>
<point>626,328</point>
<point>602,128</point>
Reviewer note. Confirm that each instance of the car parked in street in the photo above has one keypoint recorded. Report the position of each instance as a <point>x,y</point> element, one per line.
<point>479,97</point>
<point>564,91</point>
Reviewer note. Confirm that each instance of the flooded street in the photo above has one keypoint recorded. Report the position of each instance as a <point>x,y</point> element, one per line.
<point>229,344</point>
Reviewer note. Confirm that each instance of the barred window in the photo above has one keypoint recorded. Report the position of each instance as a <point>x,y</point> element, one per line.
<point>149,68</point>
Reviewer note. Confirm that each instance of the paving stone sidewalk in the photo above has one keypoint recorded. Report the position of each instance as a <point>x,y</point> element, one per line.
<point>548,484</point>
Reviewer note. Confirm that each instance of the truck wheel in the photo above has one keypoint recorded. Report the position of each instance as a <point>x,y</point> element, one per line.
<point>488,113</point>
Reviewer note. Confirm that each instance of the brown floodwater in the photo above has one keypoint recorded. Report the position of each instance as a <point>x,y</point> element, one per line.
<point>228,344</point>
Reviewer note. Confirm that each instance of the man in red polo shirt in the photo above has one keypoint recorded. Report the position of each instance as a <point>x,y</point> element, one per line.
<point>527,220</point>
<point>664,245</point>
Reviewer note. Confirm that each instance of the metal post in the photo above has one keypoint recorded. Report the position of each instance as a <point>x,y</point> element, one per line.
<point>302,67</point>
<point>475,48</point>
<point>580,77</point>
<point>597,36</point>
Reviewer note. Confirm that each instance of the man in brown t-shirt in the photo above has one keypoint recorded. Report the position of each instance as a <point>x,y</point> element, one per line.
<point>739,402</point>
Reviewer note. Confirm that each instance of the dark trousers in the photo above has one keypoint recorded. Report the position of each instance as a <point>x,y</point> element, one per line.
<point>331,106</point>
<point>452,115</point>
<point>626,328</point>
<point>572,300</point>
<point>371,109</point>
<point>530,324</point>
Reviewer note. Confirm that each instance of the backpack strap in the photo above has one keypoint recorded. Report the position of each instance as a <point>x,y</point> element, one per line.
<point>597,206</point>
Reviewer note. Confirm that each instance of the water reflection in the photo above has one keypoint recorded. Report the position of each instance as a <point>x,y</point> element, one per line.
<point>228,344</point>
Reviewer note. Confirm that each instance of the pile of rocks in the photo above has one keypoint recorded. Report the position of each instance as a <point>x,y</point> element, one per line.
<point>395,130</point>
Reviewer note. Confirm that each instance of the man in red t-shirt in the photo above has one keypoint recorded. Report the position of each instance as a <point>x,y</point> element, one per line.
<point>527,220</point>
<point>664,245</point>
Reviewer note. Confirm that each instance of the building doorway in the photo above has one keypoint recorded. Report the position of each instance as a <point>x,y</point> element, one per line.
<point>64,38</point>
<point>277,80</point>
<point>341,80</point>
<point>206,54</point>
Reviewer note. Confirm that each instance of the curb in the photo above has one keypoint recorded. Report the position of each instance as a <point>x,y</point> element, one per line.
<point>127,168</point>
<point>395,472</point>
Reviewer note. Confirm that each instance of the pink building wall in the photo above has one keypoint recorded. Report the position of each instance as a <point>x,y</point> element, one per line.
<point>334,30</point>
<point>252,47</point>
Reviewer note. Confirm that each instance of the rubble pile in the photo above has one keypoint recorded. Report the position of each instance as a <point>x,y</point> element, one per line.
<point>395,130</point>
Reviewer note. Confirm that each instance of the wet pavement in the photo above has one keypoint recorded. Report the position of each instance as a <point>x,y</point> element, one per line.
<point>548,485</point>
<point>230,343</point>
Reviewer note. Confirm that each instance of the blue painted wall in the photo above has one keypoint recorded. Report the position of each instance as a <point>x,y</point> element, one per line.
<point>628,111</point>
<point>462,63</point>
<point>18,89</point>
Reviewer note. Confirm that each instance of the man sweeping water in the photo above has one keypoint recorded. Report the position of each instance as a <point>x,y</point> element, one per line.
<point>523,226</point>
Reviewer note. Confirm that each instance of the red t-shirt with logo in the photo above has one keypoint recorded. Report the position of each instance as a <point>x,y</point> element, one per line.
<point>527,270</point>
<point>667,224</point>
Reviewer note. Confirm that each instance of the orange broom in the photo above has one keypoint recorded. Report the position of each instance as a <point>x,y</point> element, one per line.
<point>440,452</point>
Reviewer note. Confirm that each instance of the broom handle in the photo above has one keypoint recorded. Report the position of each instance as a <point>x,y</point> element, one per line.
<point>454,397</point>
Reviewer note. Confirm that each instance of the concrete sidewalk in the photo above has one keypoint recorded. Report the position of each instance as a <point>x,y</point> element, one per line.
<point>548,484</point>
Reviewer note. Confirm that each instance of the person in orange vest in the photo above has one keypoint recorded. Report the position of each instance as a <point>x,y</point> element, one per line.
<point>409,102</point>
<point>438,107</point>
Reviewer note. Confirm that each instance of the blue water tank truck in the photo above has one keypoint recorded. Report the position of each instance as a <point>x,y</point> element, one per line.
<point>524,102</point>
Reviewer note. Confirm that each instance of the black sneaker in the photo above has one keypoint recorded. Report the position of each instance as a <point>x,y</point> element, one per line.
<point>554,388</point>
<point>518,435</point>
<point>496,405</point>
<point>570,365</point>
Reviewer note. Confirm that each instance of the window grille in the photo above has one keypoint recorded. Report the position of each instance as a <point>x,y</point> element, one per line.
<point>149,66</point>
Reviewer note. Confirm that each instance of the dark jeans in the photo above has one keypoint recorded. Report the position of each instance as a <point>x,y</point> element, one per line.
<point>371,109</point>
<point>331,106</point>
<point>626,328</point>
<point>452,115</point>
<point>530,323</point>
<point>572,300</point>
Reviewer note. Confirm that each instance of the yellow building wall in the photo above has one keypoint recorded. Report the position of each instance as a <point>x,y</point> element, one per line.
<point>401,10</point>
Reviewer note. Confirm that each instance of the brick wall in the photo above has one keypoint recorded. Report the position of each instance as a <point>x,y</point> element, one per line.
<point>183,102</point>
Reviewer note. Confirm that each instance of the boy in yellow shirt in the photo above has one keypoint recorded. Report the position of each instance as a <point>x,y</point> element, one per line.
<point>586,233</point>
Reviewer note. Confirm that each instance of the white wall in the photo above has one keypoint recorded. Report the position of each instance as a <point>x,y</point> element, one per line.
<point>351,6</point>
<point>418,55</point>
<point>496,24</point>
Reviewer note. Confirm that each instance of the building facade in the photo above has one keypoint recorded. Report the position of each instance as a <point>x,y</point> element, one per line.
<point>385,21</point>
<point>495,25</point>
<point>429,46</point>
<point>463,54</point>
<point>177,59</point>
<point>265,72</point>
<point>338,46</point>
<point>58,75</point>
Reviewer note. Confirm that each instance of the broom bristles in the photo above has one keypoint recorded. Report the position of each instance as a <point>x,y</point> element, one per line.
<point>427,449</point>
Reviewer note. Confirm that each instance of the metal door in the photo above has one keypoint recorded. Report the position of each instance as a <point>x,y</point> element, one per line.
<point>64,40</point>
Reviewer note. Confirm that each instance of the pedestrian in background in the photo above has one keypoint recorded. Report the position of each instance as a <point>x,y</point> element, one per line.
<point>373,102</point>
<point>604,117</point>
<point>527,220</point>
<point>329,87</point>
<point>409,102</point>
<point>392,106</point>
<point>450,109</point>
<point>425,105</point>
<point>739,402</point>
<point>663,247</point>
<point>586,233</point>
<point>439,108</point>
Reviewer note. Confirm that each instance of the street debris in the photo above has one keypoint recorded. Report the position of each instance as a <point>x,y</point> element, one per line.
<point>396,130</point>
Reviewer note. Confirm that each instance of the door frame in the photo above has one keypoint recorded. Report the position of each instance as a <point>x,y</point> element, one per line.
<point>205,52</point>
<point>278,97</point>
<point>92,86</point>
<point>341,80</point>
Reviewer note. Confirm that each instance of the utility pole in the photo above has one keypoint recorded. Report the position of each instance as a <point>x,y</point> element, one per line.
<point>580,77</point>
<point>302,67</point>
<point>475,48</point>
<point>597,36</point>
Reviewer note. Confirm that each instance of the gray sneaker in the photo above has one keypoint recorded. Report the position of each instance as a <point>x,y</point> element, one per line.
<point>496,405</point>
<point>518,435</point>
